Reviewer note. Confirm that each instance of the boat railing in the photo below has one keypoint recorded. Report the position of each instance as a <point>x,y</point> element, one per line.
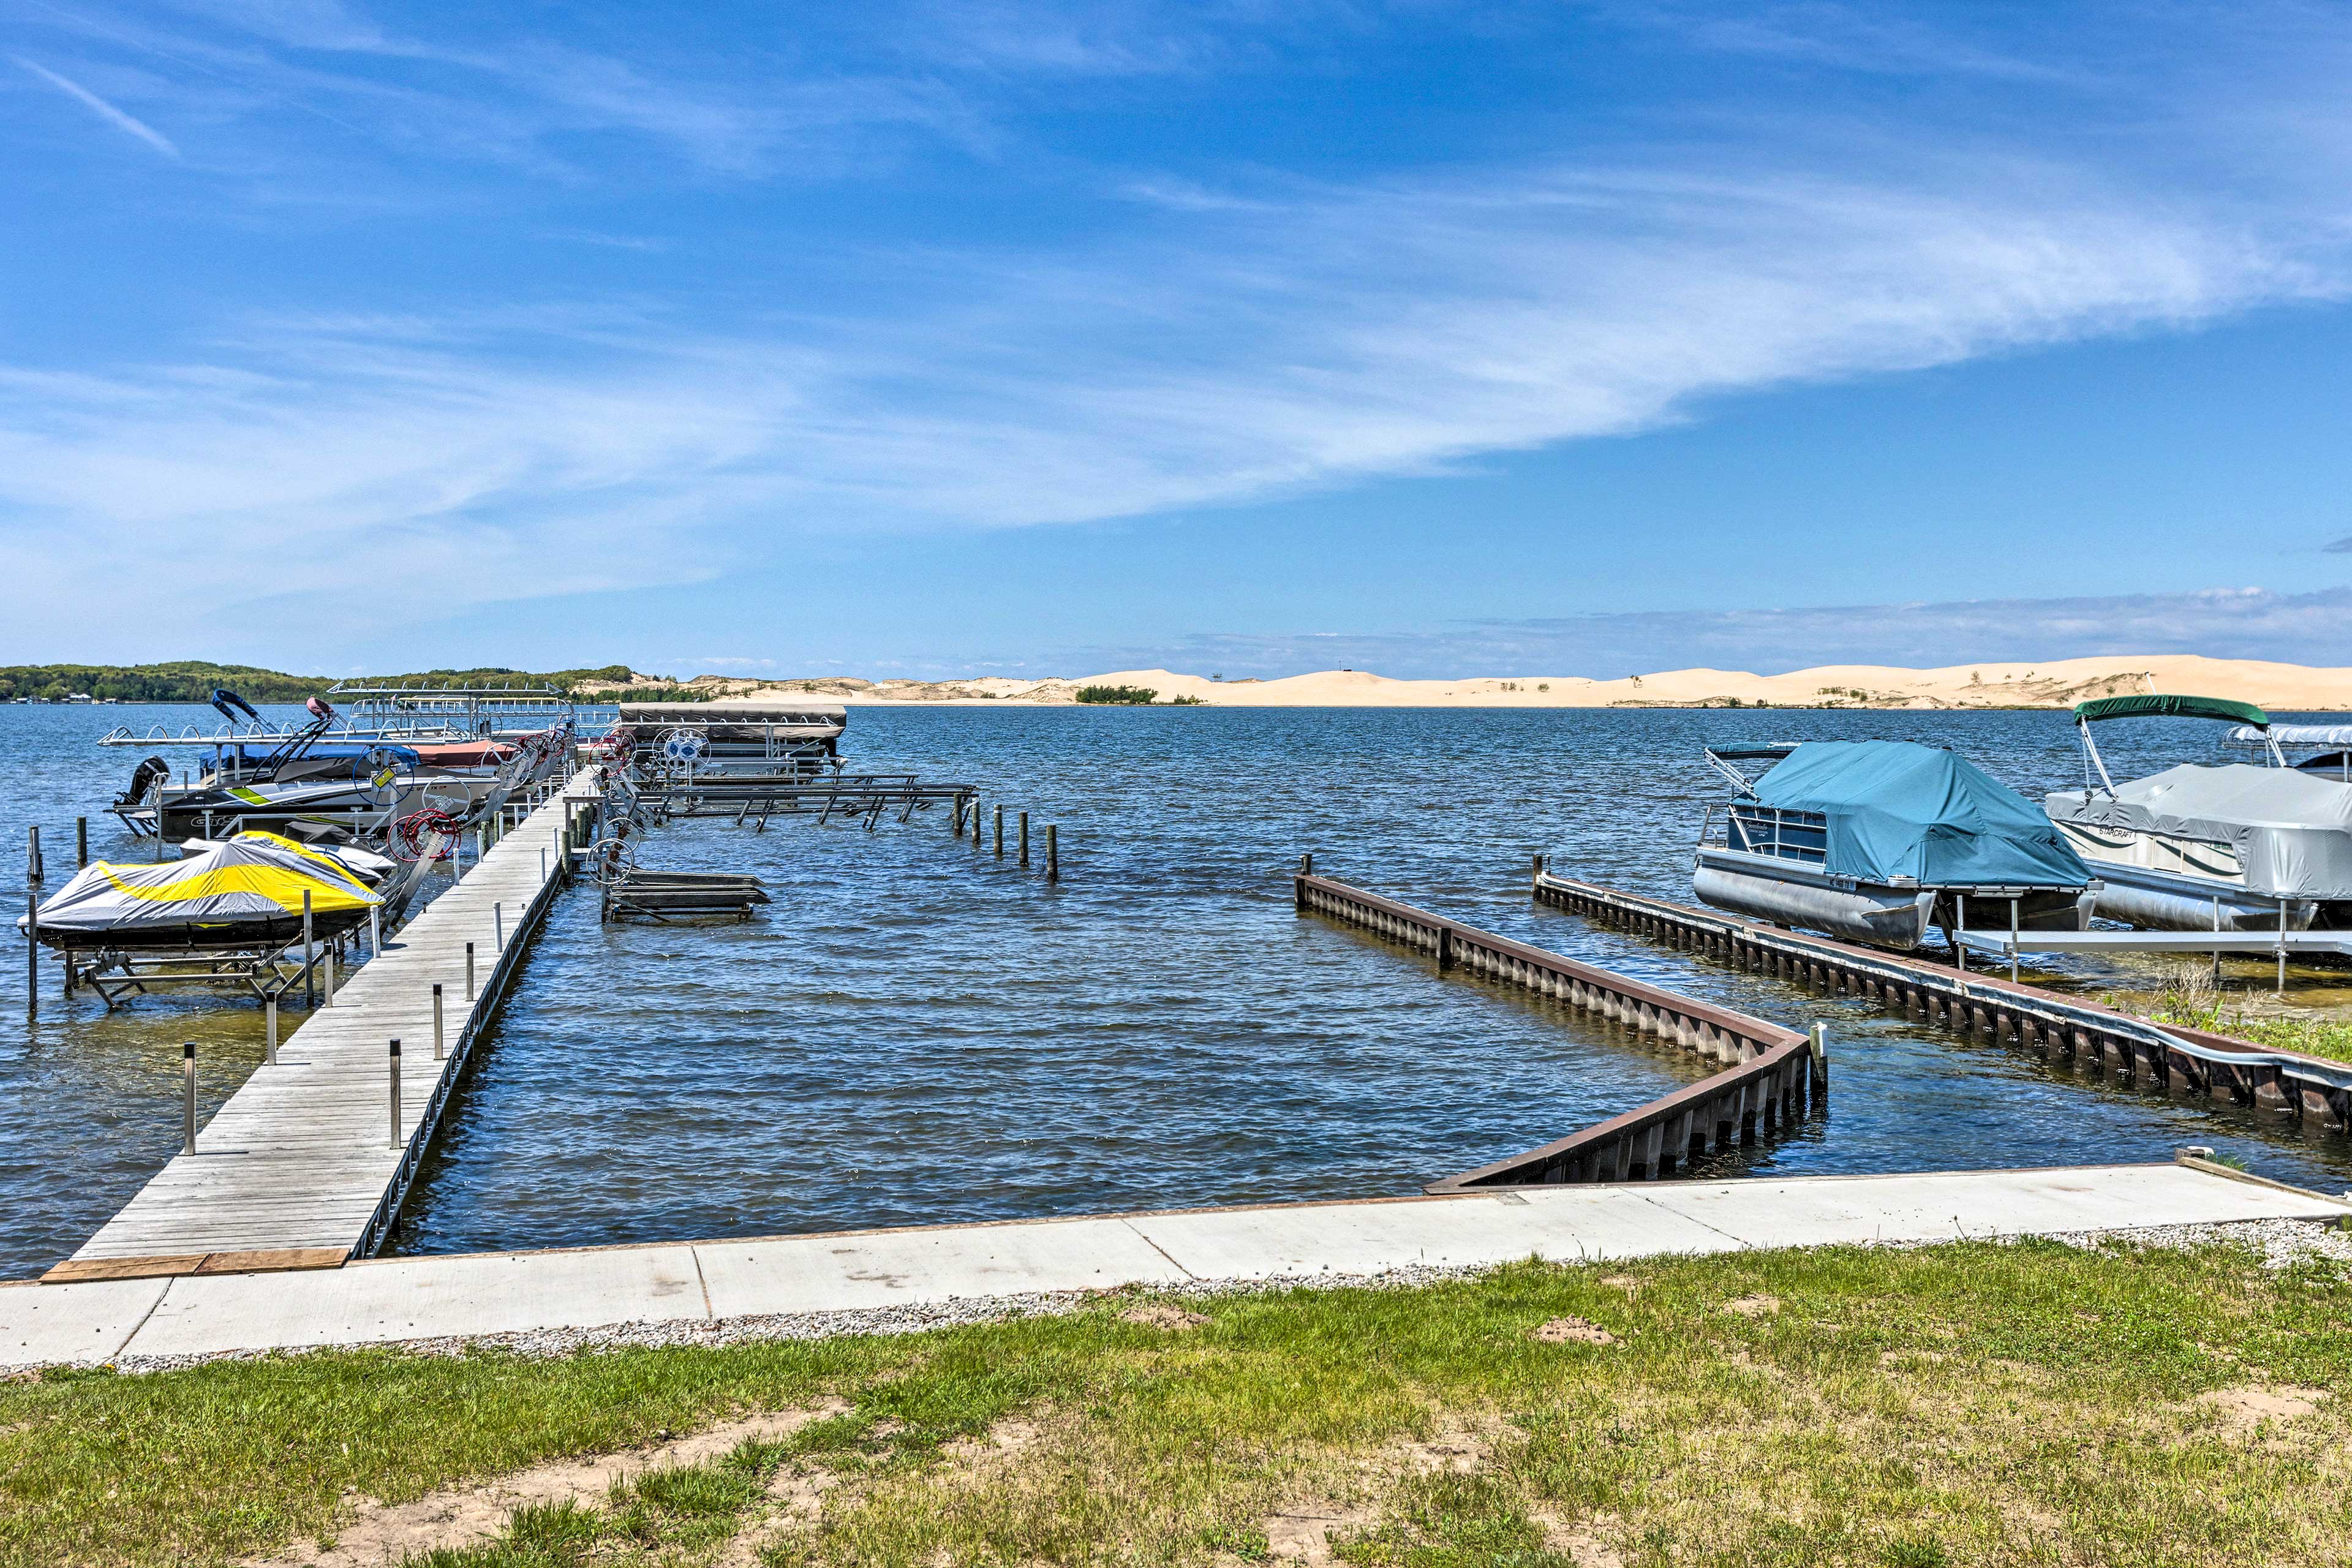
<point>1781,832</point>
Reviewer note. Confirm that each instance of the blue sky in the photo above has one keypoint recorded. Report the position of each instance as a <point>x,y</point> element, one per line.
<point>1255,337</point>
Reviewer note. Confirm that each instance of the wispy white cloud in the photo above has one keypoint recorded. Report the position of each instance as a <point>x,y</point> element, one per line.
<point>1400,327</point>
<point>127,123</point>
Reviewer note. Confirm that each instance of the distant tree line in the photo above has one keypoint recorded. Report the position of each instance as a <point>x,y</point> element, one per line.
<point>1132,697</point>
<point>192,680</point>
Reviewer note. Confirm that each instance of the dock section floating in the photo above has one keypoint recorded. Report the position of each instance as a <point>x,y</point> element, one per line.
<point>1770,1076</point>
<point>306,1165</point>
<point>2190,1062</point>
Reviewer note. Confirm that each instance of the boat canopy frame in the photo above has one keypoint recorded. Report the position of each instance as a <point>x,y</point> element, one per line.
<point>2167,705</point>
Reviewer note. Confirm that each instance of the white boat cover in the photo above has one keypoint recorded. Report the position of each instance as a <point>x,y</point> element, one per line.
<point>2295,735</point>
<point>238,881</point>
<point>2292,831</point>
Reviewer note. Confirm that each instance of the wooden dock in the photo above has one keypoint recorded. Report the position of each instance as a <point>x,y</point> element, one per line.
<point>1771,1075</point>
<point>304,1166</point>
<point>2178,1060</point>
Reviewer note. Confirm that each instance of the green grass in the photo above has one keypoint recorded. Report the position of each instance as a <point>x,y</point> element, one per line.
<point>1969,1403</point>
<point>2186,996</point>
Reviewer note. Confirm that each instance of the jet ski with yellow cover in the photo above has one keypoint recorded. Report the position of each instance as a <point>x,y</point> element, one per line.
<point>243,893</point>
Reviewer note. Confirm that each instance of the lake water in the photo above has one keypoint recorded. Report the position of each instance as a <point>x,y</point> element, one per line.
<point>914,1031</point>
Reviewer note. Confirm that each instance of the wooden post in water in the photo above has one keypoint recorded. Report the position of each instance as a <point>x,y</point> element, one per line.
<point>1819,1057</point>
<point>1444,947</point>
<point>394,1141</point>
<point>469,972</point>
<point>1053,856</point>
<point>1298,883</point>
<point>309,974</point>
<point>188,1097</point>
<point>1000,832</point>
<point>270,1040</point>
<point>81,841</point>
<point>1024,838</point>
<point>438,1051</point>
<point>33,956</point>
<point>1535,877</point>
<point>33,871</point>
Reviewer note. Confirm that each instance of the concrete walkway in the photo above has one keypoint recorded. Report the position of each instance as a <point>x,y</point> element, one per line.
<point>482,1294</point>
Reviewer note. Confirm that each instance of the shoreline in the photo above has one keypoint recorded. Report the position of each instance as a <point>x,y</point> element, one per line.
<point>2049,686</point>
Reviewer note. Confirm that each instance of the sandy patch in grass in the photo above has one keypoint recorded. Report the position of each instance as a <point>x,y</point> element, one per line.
<point>1302,1534</point>
<point>1754,1306</point>
<point>1574,1332</point>
<point>1578,1541</point>
<point>381,1533</point>
<point>1162,1315</point>
<point>2240,1411</point>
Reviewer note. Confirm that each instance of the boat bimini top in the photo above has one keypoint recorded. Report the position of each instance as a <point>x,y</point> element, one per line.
<point>2280,832</point>
<point>1897,812</point>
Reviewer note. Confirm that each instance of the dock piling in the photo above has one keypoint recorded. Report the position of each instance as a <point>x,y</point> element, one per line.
<point>1052,854</point>
<point>188,1097</point>
<point>81,841</point>
<point>543,866</point>
<point>469,972</point>
<point>269,1024</point>
<point>33,956</point>
<point>438,1051</point>
<point>1820,1057</point>
<point>310,981</point>
<point>499,928</point>
<point>999,832</point>
<point>327,988</point>
<point>1537,874</point>
<point>33,872</point>
<point>1024,838</point>
<point>375,932</point>
<point>394,1141</point>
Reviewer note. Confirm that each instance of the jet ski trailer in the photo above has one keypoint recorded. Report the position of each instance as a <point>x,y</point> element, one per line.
<point>1876,841</point>
<point>2229,847</point>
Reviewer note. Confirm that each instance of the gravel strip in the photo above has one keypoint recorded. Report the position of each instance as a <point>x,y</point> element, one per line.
<point>2281,1242</point>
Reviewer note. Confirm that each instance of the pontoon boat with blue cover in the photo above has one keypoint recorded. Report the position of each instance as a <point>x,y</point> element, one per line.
<point>1877,840</point>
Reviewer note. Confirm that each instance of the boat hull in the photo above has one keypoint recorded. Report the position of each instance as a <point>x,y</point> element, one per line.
<point>2177,900</point>
<point>1874,912</point>
<point>1882,916</point>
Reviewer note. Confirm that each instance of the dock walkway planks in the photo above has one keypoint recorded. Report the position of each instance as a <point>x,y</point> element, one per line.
<point>299,1167</point>
<point>387,1300</point>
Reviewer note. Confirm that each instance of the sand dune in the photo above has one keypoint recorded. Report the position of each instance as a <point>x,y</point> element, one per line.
<point>2057,684</point>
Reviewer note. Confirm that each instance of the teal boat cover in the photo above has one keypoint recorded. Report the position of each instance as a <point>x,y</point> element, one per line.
<point>1896,808</point>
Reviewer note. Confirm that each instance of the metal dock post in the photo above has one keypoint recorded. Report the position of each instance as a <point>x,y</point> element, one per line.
<point>188,1097</point>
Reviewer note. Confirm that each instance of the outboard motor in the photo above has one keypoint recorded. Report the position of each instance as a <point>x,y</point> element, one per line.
<point>143,782</point>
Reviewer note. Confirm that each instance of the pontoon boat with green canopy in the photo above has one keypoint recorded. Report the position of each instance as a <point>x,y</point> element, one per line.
<point>1877,840</point>
<point>2228,847</point>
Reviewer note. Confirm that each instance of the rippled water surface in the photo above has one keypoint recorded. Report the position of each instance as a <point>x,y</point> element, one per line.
<point>916,1031</point>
